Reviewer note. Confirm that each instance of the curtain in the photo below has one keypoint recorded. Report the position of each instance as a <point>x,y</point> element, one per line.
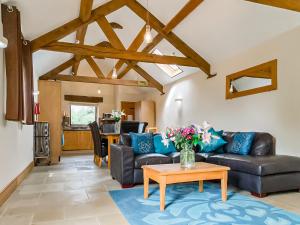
<point>12,31</point>
<point>18,62</point>
<point>27,81</point>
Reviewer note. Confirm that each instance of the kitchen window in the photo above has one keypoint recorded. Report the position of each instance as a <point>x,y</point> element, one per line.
<point>82,115</point>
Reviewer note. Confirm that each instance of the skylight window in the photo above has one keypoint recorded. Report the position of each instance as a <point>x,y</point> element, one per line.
<point>171,70</point>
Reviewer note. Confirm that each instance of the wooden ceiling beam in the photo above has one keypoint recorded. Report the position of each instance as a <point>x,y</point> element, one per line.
<point>60,68</point>
<point>293,5</point>
<point>138,9</point>
<point>85,10</point>
<point>149,78</point>
<point>188,8</point>
<point>95,67</point>
<point>113,53</point>
<point>64,66</point>
<point>75,24</point>
<point>134,46</point>
<point>84,14</point>
<point>116,43</point>
<point>110,33</point>
<point>89,79</point>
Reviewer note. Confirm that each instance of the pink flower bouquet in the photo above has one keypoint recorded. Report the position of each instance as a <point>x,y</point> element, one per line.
<point>187,137</point>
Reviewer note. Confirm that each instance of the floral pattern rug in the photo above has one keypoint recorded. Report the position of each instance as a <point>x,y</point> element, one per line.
<point>186,206</point>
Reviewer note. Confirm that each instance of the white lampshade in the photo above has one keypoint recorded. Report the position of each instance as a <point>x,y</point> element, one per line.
<point>114,73</point>
<point>148,36</point>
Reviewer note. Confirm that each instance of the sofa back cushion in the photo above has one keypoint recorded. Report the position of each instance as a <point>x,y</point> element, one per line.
<point>161,148</point>
<point>215,143</point>
<point>241,144</point>
<point>142,143</point>
<point>263,143</point>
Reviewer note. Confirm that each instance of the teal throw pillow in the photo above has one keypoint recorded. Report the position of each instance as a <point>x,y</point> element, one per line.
<point>161,148</point>
<point>215,144</point>
<point>241,143</point>
<point>219,132</point>
<point>142,143</point>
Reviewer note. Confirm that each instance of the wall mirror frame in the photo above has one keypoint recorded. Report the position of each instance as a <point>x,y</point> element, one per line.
<point>267,71</point>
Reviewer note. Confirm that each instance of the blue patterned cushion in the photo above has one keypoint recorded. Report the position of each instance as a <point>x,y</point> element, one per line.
<point>241,143</point>
<point>215,144</point>
<point>142,143</point>
<point>161,148</point>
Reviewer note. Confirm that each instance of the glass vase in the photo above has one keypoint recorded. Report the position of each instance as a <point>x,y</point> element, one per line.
<point>118,127</point>
<point>187,157</point>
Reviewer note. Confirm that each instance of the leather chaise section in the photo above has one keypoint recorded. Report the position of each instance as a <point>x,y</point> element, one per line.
<point>259,165</point>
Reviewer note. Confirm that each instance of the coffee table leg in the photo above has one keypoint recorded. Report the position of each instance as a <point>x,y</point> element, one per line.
<point>201,186</point>
<point>146,184</point>
<point>162,190</point>
<point>224,186</point>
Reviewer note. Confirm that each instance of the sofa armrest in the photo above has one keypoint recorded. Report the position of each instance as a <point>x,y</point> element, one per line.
<point>122,164</point>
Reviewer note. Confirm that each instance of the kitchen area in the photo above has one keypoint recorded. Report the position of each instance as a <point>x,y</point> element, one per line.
<point>69,107</point>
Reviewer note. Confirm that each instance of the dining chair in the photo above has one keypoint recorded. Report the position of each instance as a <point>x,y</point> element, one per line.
<point>100,150</point>
<point>133,126</point>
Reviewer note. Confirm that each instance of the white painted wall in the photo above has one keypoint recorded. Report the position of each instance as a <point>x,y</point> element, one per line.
<point>16,140</point>
<point>87,89</point>
<point>129,94</point>
<point>277,112</point>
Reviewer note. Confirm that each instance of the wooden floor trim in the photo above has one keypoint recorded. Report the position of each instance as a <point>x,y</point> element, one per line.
<point>12,186</point>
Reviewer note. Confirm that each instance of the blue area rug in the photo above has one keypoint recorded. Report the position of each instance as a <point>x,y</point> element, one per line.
<point>186,206</point>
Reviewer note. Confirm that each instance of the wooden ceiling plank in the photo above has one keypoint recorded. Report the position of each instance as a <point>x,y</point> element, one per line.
<point>188,8</point>
<point>293,5</point>
<point>75,24</point>
<point>58,69</point>
<point>87,50</point>
<point>138,9</point>
<point>89,79</point>
<point>95,67</point>
<point>84,14</point>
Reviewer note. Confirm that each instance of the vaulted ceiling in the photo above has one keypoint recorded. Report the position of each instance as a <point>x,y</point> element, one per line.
<point>216,30</point>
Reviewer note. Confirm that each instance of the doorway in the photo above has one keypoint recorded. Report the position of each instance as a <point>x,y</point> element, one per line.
<point>129,110</point>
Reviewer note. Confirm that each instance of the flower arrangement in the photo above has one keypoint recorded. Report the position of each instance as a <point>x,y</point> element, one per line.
<point>117,115</point>
<point>187,137</point>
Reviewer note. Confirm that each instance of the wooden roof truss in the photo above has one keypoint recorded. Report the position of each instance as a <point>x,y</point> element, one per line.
<point>115,49</point>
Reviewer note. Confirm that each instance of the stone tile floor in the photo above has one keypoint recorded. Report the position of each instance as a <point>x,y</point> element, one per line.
<point>75,192</point>
<point>72,193</point>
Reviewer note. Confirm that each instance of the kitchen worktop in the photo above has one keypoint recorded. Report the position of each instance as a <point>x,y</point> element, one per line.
<point>76,129</point>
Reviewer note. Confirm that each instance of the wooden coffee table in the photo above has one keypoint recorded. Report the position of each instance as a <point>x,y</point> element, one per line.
<point>172,173</point>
